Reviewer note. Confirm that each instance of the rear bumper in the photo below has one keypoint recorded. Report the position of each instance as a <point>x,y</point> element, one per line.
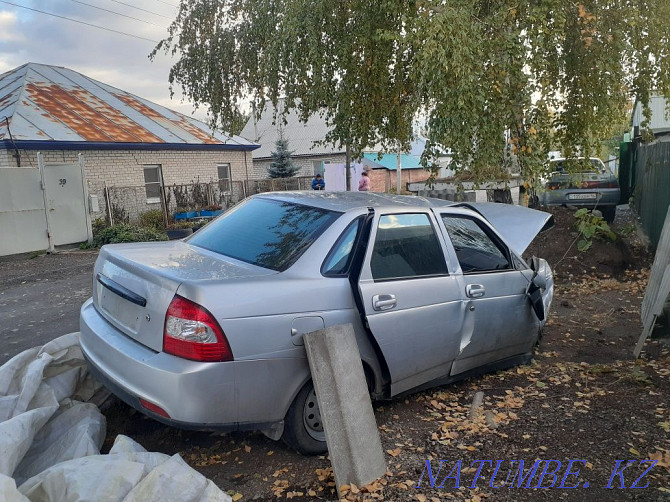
<point>249,394</point>
<point>605,197</point>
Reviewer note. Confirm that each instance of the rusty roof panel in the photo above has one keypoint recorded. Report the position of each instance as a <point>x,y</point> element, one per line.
<point>47,102</point>
<point>194,134</point>
<point>106,94</point>
<point>23,124</point>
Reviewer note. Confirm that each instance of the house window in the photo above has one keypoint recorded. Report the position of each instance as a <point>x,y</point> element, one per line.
<point>153,181</point>
<point>224,177</point>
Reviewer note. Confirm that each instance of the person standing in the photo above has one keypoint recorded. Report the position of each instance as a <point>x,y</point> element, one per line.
<point>318,183</point>
<point>364,182</point>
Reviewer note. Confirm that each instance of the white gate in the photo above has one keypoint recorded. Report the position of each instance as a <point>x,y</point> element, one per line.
<point>43,208</point>
<point>23,225</point>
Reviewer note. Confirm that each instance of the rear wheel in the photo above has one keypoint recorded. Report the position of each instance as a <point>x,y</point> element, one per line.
<point>608,212</point>
<point>303,427</point>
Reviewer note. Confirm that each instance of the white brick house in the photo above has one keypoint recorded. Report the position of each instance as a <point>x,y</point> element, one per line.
<point>304,139</point>
<point>125,141</point>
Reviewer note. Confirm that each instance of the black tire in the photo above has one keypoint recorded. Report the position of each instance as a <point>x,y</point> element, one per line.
<point>303,429</point>
<point>608,212</point>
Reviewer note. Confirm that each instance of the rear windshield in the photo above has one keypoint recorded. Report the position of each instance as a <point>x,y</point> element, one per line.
<point>268,233</point>
<point>578,166</point>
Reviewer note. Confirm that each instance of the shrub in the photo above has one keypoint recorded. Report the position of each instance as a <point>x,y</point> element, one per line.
<point>152,219</point>
<point>591,226</point>
<point>98,224</point>
<point>127,233</point>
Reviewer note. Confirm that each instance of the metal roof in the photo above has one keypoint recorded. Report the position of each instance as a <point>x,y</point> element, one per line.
<point>302,137</point>
<point>390,160</point>
<point>48,104</point>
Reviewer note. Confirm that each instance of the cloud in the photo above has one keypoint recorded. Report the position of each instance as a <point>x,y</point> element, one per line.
<point>7,32</point>
<point>112,58</point>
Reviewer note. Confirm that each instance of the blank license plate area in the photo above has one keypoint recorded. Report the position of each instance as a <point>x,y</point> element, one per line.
<point>119,309</point>
<point>582,196</point>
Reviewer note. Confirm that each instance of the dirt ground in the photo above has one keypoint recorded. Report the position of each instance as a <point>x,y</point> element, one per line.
<point>40,297</point>
<point>583,398</point>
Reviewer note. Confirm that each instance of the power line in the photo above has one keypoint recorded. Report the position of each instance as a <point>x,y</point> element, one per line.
<point>140,8</point>
<point>78,21</point>
<point>116,13</point>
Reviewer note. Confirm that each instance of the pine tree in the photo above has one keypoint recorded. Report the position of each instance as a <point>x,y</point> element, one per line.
<point>282,165</point>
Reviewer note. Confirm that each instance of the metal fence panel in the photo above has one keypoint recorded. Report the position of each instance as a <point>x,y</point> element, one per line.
<point>652,187</point>
<point>127,203</point>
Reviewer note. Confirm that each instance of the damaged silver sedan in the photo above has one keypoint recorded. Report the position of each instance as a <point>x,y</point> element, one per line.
<point>206,333</point>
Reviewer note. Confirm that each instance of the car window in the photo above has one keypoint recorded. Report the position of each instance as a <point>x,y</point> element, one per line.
<point>406,246</point>
<point>338,260</point>
<point>475,249</point>
<point>265,232</point>
<point>577,166</point>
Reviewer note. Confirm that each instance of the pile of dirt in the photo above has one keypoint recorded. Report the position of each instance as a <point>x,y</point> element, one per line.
<point>604,258</point>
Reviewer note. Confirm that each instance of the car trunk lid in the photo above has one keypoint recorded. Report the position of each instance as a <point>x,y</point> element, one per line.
<point>590,180</point>
<point>135,283</point>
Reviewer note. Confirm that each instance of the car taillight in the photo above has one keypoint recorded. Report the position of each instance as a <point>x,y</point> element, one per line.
<point>154,408</point>
<point>192,332</point>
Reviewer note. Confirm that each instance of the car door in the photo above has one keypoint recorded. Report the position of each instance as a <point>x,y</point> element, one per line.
<point>412,304</point>
<point>499,320</point>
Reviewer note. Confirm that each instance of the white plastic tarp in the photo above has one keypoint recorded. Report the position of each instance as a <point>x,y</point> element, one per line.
<point>50,439</point>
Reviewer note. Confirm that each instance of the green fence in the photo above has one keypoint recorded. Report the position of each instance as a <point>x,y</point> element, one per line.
<point>648,177</point>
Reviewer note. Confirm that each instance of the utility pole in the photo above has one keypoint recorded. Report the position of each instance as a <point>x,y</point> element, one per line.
<point>398,171</point>
<point>347,167</point>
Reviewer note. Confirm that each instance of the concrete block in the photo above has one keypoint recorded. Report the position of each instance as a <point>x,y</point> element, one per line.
<point>344,402</point>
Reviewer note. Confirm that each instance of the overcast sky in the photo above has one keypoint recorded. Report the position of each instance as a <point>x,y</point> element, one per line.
<point>111,58</point>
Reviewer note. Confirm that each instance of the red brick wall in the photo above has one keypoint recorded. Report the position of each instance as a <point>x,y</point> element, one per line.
<point>382,180</point>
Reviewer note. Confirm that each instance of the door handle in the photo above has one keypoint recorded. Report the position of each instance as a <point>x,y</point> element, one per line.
<point>475,290</point>
<point>383,302</point>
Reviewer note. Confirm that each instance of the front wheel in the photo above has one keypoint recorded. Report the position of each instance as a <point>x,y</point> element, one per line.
<point>303,427</point>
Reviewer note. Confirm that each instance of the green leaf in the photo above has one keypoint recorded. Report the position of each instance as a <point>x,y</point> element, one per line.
<point>498,86</point>
<point>584,245</point>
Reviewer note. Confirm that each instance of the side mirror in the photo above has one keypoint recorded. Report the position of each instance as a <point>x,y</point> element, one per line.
<point>540,266</point>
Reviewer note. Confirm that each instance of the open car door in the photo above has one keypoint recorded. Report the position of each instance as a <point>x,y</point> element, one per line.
<point>411,303</point>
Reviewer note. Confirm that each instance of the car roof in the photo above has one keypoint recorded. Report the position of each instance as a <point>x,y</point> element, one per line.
<point>562,159</point>
<point>345,201</point>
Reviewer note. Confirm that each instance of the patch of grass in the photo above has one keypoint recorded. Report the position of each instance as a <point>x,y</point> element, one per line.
<point>626,230</point>
<point>36,254</point>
